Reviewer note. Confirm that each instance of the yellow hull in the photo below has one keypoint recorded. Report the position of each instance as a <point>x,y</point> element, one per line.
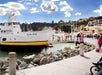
<point>35,43</point>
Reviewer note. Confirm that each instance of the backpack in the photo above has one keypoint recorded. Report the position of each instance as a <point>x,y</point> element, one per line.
<point>97,49</point>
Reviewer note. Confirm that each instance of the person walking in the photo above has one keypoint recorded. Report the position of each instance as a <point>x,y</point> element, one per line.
<point>81,37</point>
<point>82,49</point>
<point>100,41</point>
<point>77,39</point>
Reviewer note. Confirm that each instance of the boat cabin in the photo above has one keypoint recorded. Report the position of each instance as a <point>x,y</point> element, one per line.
<point>11,26</point>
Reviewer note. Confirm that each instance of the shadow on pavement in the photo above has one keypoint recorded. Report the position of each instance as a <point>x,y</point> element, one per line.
<point>86,57</point>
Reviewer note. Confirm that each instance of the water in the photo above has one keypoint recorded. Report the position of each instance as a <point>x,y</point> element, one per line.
<point>58,46</point>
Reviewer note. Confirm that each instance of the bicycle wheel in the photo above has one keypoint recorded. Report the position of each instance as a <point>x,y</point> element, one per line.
<point>93,70</point>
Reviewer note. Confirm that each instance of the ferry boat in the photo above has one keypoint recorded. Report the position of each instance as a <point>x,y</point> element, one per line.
<point>12,35</point>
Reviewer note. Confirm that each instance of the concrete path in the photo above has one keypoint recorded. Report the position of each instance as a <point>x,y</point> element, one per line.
<point>77,65</point>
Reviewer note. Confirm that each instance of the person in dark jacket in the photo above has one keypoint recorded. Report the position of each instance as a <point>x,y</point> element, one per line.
<point>77,40</point>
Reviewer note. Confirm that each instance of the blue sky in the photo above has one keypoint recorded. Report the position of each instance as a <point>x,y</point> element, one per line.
<point>47,10</point>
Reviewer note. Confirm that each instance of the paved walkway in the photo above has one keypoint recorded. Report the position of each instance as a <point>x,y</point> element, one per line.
<point>76,65</point>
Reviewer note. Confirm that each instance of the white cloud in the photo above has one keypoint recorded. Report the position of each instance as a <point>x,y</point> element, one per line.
<point>20,0</point>
<point>11,6</point>
<point>48,6</point>
<point>36,0</point>
<point>16,12</point>
<point>14,5</point>
<point>3,11</point>
<point>67,14</point>
<point>34,10</point>
<point>54,0</point>
<point>27,3</point>
<point>66,8</point>
<point>77,14</point>
<point>98,11</point>
<point>63,3</point>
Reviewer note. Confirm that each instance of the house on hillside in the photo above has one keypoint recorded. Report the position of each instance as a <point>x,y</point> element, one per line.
<point>95,26</point>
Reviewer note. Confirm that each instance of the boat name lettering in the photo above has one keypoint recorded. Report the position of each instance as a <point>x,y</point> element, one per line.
<point>32,34</point>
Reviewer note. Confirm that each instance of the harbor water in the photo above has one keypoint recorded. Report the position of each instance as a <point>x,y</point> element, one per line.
<point>20,54</point>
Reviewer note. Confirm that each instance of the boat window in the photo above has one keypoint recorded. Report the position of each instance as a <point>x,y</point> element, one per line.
<point>1,30</point>
<point>14,23</point>
<point>4,31</point>
<point>14,38</point>
<point>4,39</point>
<point>34,33</point>
<point>14,26</point>
<point>9,23</point>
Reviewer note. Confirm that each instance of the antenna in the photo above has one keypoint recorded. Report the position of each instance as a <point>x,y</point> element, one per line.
<point>11,16</point>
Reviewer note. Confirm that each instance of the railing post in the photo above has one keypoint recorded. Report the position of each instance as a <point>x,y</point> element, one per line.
<point>12,63</point>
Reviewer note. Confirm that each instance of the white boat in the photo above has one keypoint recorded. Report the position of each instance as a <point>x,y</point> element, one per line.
<point>12,35</point>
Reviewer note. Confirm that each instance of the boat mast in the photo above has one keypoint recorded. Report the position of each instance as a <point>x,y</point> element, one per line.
<point>13,25</point>
<point>11,17</point>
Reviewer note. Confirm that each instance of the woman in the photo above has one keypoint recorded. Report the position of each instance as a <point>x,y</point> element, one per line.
<point>82,37</point>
